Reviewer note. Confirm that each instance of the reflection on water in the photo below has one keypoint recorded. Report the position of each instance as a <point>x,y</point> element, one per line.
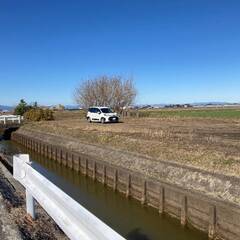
<point>136,234</point>
<point>128,217</point>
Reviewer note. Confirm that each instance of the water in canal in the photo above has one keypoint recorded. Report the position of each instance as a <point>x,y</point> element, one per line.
<point>126,216</point>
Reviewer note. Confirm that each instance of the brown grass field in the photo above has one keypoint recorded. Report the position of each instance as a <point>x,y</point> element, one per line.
<point>210,142</point>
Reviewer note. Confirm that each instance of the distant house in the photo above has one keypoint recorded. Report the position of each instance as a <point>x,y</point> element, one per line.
<point>178,106</point>
<point>58,107</point>
<point>146,107</point>
<point>187,106</point>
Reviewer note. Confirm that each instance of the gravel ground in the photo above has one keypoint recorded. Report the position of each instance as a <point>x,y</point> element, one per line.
<point>8,229</point>
<point>13,198</point>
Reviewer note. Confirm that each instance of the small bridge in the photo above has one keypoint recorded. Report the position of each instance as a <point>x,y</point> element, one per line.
<point>9,124</point>
<point>8,121</point>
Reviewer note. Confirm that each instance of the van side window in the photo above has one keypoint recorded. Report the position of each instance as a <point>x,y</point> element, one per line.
<point>94,110</point>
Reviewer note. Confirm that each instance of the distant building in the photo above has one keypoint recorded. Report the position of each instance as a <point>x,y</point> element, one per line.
<point>58,107</point>
<point>187,106</point>
<point>178,106</point>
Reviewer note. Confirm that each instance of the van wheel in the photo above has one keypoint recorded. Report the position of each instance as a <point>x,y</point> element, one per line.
<point>89,119</point>
<point>102,120</point>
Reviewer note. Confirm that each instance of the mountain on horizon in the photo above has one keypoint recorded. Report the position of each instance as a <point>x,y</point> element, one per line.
<point>191,103</point>
<point>3,107</point>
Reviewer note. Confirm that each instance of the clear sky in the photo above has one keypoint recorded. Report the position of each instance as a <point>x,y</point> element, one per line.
<point>176,50</point>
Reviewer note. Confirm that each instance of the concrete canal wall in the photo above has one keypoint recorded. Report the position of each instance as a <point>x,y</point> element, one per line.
<point>206,201</point>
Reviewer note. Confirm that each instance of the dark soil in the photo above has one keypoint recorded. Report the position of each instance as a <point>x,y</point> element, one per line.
<point>43,228</point>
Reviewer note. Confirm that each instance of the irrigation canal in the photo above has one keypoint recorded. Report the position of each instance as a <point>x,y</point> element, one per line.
<point>126,216</point>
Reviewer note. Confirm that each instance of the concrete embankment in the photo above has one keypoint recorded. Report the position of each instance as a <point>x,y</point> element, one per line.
<point>207,201</point>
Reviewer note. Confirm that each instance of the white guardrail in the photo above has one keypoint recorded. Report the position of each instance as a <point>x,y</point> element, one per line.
<point>76,221</point>
<point>10,118</point>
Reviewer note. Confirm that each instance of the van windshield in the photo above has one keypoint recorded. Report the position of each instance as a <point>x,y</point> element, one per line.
<point>106,110</point>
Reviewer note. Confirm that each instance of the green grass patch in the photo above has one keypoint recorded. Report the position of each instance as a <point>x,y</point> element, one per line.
<point>192,113</point>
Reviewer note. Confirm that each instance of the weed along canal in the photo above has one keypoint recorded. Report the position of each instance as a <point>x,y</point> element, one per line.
<point>127,216</point>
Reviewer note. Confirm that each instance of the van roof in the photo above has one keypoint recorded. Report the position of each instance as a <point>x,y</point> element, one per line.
<point>99,107</point>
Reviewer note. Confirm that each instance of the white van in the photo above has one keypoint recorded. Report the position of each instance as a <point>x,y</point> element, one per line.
<point>101,114</point>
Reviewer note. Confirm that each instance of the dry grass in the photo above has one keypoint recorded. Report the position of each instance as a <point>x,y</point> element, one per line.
<point>211,144</point>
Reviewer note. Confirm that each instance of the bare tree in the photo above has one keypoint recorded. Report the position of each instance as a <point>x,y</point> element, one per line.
<point>113,91</point>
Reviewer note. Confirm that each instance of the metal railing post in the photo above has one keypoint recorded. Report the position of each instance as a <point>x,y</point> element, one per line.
<point>30,204</point>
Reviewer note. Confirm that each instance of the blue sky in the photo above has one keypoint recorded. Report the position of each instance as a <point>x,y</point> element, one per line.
<point>176,51</point>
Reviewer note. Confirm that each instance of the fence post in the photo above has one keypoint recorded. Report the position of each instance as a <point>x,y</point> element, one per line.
<point>104,175</point>
<point>212,222</point>
<point>86,167</point>
<point>143,200</point>
<point>128,185</point>
<point>94,170</point>
<point>184,211</point>
<point>115,180</point>
<point>161,199</point>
